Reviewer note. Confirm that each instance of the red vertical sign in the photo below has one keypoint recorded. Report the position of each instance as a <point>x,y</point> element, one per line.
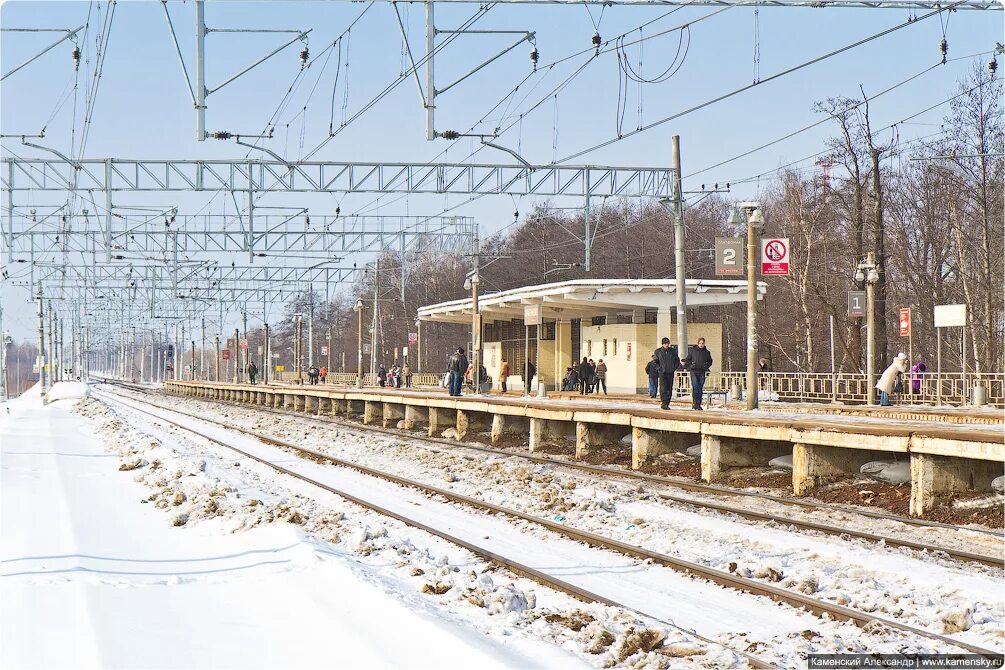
<point>905,321</point>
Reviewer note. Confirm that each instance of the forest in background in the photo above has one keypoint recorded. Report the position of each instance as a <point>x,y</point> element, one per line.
<point>930,209</point>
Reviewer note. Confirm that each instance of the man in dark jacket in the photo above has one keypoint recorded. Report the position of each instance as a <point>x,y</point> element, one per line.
<point>531,371</point>
<point>666,364</point>
<point>698,361</point>
<point>252,371</point>
<point>584,376</point>
<point>457,365</point>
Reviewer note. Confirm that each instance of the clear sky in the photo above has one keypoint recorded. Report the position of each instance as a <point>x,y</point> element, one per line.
<point>142,108</point>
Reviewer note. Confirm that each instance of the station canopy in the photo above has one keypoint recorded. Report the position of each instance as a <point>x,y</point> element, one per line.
<point>587,298</point>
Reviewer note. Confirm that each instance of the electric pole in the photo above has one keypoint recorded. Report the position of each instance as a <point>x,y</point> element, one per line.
<point>678,240</point>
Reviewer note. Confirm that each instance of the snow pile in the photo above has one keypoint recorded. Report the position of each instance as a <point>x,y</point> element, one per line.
<point>892,472</point>
<point>782,462</point>
<point>69,391</point>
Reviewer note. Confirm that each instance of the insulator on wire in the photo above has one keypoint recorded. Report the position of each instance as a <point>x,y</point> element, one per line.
<point>534,57</point>
<point>992,68</point>
<point>304,55</point>
<point>76,58</point>
<point>450,134</point>
<point>596,40</point>
<point>944,47</point>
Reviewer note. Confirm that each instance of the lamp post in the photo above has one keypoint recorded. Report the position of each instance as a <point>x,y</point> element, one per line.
<point>358,308</point>
<point>868,272</point>
<point>754,219</point>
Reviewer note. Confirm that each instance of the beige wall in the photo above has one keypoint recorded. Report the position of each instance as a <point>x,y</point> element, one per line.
<point>629,348</point>
<point>635,345</point>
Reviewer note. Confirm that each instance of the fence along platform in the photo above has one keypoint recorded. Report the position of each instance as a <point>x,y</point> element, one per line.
<point>945,458</point>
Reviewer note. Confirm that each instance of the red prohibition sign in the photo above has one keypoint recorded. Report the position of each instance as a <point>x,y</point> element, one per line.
<point>775,250</point>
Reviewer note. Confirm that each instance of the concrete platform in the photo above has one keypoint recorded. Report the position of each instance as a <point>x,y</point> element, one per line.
<point>946,457</point>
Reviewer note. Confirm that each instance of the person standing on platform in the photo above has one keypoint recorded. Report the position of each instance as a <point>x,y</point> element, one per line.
<point>503,374</point>
<point>531,373</point>
<point>602,376</point>
<point>653,375</point>
<point>584,376</point>
<point>666,363</point>
<point>406,373</point>
<point>252,371</point>
<point>457,365</point>
<point>698,362</point>
<point>890,382</point>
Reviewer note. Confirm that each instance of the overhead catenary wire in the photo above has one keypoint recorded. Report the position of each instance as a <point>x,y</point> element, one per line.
<point>822,121</point>
<point>742,89</point>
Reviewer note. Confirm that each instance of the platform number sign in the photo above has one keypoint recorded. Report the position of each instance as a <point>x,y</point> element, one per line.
<point>728,252</point>
<point>775,256</point>
<point>856,304</point>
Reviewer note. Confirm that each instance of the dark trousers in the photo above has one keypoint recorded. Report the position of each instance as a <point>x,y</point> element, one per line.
<point>583,386</point>
<point>602,383</point>
<point>697,386</point>
<point>666,389</point>
<point>251,375</point>
<point>456,378</point>
<point>503,384</point>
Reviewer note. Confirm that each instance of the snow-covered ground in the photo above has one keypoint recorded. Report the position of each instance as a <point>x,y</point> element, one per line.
<point>918,589</point>
<point>146,546</point>
<point>95,575</point>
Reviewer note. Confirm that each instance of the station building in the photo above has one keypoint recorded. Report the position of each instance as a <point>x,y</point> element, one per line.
<point>618,320</point>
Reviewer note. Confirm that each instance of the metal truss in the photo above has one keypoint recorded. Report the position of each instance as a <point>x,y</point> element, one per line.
<point>122,175</point>
<point>171,236</point>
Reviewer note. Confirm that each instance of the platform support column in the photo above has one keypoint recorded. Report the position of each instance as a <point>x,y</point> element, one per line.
<point>934,478</point>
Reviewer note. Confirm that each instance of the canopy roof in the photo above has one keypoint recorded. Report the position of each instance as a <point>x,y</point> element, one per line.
<point>586,298</point>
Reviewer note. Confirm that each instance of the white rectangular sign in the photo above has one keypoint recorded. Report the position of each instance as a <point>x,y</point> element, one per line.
<point>532,315</point>
<point>947,316</point>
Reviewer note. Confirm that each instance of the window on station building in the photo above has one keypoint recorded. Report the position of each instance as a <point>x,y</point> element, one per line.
<point>589,348</point>
<point>604,348</point>
<point>614,347</point>
<point>624,317</point>
<point>598,321</point>
<point>548,331</point>
<point>650,316</point>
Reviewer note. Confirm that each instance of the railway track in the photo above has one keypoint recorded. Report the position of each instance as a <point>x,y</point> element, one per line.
<point>798,600</point>
<point>607,471</point>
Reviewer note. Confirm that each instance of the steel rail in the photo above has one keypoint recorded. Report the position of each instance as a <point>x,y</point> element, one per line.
<point>610,471</point>
<point>725,579</point>
<point>514,566</point>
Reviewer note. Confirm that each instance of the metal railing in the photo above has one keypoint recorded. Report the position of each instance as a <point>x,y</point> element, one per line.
<point>349,378</point>
<point>926,388</point>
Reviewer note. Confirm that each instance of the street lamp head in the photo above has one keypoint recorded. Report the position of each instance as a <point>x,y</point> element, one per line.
<point>735,218</point>
<point>756,218</point>
<point>359,305</point>
<point>873,276</point>
<point>859,276</point>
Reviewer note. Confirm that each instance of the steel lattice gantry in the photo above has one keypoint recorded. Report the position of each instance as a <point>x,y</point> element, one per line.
<point>120,175</point>
<point>169,236</point>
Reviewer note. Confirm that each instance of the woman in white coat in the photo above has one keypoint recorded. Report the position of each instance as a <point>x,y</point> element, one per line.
<point>888,382</point>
